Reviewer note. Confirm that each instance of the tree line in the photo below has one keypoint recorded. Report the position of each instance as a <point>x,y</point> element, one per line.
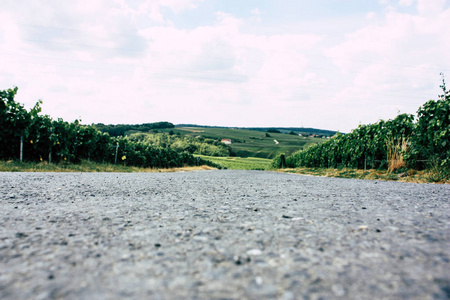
<point>31,136</point>
<point>124,129</point>
<point>180,143</point>
<point>413,142</point>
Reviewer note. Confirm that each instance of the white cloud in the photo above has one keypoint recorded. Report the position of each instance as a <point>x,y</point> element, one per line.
<point>128,62</point>
<point>255,11</point>
<point>430,7</point>
<point>371,15</point>
<point>154,9</point>
<point>179,5</point>
<point>9,33</point>
<point>406,2</point>
<point>155,13</point>
<point>392,64</point>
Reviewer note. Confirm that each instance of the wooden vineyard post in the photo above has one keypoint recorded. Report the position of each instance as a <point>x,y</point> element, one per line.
<point>21,148</point>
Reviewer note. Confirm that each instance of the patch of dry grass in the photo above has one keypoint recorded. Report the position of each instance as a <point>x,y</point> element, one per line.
<point>408,176</point>
<point>395,152</point>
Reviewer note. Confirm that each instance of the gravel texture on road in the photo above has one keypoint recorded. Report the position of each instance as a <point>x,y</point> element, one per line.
<point>221,235</point>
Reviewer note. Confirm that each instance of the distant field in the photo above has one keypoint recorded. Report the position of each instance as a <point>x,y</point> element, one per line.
<point>240,163</point>
<point>252,143</point>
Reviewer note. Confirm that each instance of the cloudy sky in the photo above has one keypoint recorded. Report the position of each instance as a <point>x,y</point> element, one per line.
<point>329,64</point>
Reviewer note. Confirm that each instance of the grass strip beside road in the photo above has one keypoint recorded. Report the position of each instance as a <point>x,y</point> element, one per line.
<point>234,163</point>
<point>425,176</point>
<point>84,166</point>
<point>241,163</point>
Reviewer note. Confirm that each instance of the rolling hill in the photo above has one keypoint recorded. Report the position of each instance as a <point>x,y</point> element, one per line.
<point>298,130</point>
<point>261,142</point>
<point>246,142</point>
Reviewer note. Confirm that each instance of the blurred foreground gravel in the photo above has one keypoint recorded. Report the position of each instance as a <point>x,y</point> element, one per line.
<point>221,235</point>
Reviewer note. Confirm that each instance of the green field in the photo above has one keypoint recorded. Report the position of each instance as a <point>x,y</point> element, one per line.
<point>240,163</point>
<point>251,143</point>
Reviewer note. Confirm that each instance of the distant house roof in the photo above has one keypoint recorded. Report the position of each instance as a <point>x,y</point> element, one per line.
<point>226,141</point>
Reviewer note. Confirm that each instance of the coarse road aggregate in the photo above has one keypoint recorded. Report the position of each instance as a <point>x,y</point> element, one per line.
<point>221,234</point>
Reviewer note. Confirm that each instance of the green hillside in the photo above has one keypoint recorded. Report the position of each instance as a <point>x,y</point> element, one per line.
<point>251,143</point>
<point>303,130</point>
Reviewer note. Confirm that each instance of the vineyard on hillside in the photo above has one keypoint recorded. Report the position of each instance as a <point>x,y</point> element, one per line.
<point>406,142</point>
<point>31,136</point>
<point>394,144</point>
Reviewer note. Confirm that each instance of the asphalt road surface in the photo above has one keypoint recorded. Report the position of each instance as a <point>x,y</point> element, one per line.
<point>221,235</point>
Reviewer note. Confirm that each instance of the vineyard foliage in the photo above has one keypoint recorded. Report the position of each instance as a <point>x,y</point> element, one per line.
<point>199,145</point>
<point>427,141</point>
<point>56,140</point>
